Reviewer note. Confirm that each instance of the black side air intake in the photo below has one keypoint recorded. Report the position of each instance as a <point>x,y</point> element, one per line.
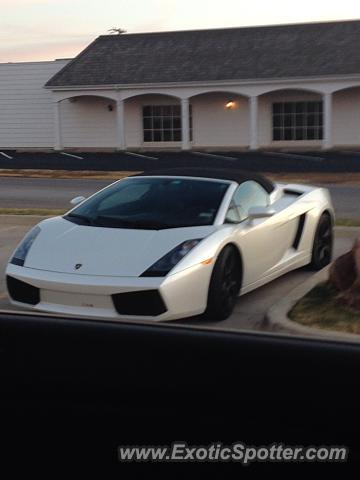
<point>299,231</point>
<point>145,302</point>
<point>22,292</point>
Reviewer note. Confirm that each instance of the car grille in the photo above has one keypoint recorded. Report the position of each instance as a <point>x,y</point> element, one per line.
<point>22,292</point>
<point>145,302</point>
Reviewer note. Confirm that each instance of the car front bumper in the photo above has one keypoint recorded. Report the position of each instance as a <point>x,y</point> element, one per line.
<point>183,294</point>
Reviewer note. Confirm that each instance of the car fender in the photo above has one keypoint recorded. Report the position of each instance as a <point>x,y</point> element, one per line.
<point>208,249</point>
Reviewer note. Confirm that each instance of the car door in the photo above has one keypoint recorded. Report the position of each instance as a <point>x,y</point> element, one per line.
<point>260,240</point>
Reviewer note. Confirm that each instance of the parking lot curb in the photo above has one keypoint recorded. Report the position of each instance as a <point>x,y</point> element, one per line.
<point>277,320</point>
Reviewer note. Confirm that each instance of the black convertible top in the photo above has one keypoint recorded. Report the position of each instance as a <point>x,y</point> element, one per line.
<point>219,173</point>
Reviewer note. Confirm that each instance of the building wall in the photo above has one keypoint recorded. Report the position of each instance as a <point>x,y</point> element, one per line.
<point>346,117</point>
<point>87,122</point>
<point>217,126</point>
<point>26,110</point>
<point>213,124</point>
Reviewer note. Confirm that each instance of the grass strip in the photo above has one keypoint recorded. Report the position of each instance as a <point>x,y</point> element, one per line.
<point>320,308</point>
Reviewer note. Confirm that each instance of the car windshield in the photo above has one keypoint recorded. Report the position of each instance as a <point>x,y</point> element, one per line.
<point>153,203</point>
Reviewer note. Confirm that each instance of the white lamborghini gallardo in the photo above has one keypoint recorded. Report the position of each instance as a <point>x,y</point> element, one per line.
<point>171,244</point>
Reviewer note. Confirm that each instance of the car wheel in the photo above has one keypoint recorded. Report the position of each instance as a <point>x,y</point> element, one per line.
<point>323,243</point>
<point>225,285</point>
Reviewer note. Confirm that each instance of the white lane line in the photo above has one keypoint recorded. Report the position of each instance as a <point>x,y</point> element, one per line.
<point>294,155</point>
<point>6,155</point>
<point>213,155</point>
<point>140,155</point>
<point>71,155</point>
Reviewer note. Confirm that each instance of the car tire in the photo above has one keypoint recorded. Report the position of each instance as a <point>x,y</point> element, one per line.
<point>323,243</point>
<point>225,285</point>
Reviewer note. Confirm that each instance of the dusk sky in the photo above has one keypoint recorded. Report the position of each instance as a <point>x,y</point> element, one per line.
<point>48,29</point>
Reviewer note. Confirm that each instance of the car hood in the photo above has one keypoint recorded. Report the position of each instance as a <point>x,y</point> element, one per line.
<point>61,245</point>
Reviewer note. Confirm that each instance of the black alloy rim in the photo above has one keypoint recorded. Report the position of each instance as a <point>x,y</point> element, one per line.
<point>324,243</point>
<point>230,283</point>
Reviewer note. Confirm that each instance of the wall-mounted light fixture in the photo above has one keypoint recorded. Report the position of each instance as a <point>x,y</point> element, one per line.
<point>110,108</point>
<point>230,104</point>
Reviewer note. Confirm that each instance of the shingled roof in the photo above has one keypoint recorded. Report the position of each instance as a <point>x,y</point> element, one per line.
<point>282,51</point>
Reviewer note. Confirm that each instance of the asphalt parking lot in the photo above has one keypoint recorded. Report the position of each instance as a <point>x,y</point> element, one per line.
<point>317,161</point>
<point>250,309</point>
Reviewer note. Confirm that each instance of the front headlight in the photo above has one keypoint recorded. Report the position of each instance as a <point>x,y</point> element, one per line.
<point>22,250</point>
<point>163,266</point>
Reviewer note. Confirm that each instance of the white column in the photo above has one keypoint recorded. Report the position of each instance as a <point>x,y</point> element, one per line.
<point>57,126</point>
<point>185,125</point>
<point>327,104</point>
<point>253,120</point>
<point>120,125</point>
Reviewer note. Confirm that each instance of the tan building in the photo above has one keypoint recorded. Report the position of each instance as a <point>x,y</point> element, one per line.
<point>276,87</point>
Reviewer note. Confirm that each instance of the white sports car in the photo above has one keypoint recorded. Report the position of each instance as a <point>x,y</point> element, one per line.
<point>171,244</point>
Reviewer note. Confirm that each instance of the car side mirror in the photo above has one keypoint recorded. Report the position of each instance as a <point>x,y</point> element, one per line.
<point>260,212</point>
<point>77,200</point>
